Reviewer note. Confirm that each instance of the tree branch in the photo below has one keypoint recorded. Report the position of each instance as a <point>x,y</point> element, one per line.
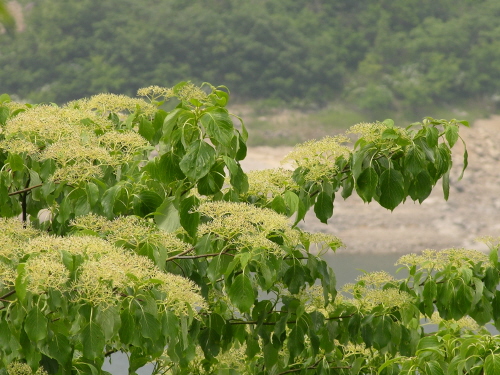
<point>3,298</point>
<point>25,190</point>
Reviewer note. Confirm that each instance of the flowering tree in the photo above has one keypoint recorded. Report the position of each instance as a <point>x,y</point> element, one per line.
<point>126,228</point>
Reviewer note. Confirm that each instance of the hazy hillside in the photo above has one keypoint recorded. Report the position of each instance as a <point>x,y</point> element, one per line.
<point>375,56</point>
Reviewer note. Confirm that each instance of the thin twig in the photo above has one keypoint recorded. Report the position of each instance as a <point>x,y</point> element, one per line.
<point>25,190</point>
<point>178,255</point>
<point>7,295</point>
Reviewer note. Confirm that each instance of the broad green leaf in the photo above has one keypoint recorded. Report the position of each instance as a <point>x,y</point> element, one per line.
<point>146,202</point>
<point>167,216</point>
<point>382,329</point>
<point>414,160</point>
<point>57,346</point>
<point>210,341</point>
<point>433,368</point>
<point>150,326</point>
<point>214,180</point>
<point>492,364</point>
<point>428,342</point>
<point>189,218</point>
<point>451,134</point>
<point>239,179</point>
<point>270,355</point>
<point>323,208</point>
<point>241,293</point>
<point>198,161</point>
<point>295,341</point>
<point>21,282</point>
<point>391,189</point>
<point>421,186</point>
<point>92,341</point>
<point>16,162</point>
<point>168,169</point>
<point>291,201</point>
<point>169,123</point>
<point>128,327</point>
<point>390,134</point>
<point>432,136</point>
<point>294,278</point>
<point>366,184</point>
<point>146,129</point>
<point>347,187</point>
<point>429,294</point>
<point>92,193</point>
<point>35,324</point>
<point>218,125</point>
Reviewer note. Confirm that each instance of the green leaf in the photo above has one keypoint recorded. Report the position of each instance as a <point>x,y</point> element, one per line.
<point>150,326</point>
<point>35,324</point>
<point>492,364</point>
<point>446,185</point>
<point>189,219</point>
<point>241,293</point>
<point>291,201</point>
<point>451,134</point>
<point>294,278</point>
<point>57,346</point>
<point>429,294</point>
<point>414,160</point>
<point>168,169</point>
<point>210,341</point>
<point>92,341</point>
<point>323,208</point>
<point>432,136</point>
<point>127,329</point>
<point>239,179</point>
<point>347,187</point>
<point>466,163</point>
<point>381,331</point>
<point>170,122</point>
<point>146,202</point>
<point>433,368</point>
<point>146,129</point>
<point>428,342</point>
<point>198,161</point>
<point>16,162</point>
<point>92,193</point>
<point>270,356</point>
<point>212,183</point>
<point>391,189</point>
<point>366,184</point>
<point>421,186</point>
<point>167,216</point>
<point>295,341</point>
<point>21,282</point>
<point>218,125</point>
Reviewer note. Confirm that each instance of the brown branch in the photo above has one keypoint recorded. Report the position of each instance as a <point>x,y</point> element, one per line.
<point>313,368</point>
<point>25,190</point>
<point>238,322</point>
<point>205,255</point>
<point>3,298</point>
<point>178,255</point>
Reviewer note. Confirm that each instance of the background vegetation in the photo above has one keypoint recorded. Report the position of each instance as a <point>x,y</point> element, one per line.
<point>375,57</point>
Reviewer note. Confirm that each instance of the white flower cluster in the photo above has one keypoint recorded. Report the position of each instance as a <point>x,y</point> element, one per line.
<point>107,273</point>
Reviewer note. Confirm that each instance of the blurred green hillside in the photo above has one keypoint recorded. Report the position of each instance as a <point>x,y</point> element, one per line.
<point>345,59</point>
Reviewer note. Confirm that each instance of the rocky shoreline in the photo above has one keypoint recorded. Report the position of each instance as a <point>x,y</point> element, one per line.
<point>472,211</point>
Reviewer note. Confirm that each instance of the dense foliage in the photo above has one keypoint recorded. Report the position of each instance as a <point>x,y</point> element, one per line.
<point>128,228</point>
<point>380,55</point>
